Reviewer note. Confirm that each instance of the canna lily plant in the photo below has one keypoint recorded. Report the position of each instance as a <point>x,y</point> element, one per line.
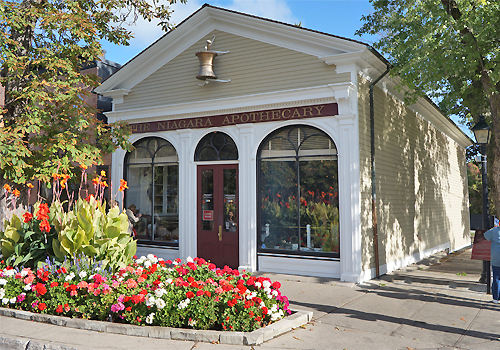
<point>63,231</point>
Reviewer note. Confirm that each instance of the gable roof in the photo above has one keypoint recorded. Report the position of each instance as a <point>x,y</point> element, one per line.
<point>208,18</point>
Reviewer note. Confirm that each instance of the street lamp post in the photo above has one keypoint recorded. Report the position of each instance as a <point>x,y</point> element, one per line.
<point>482,132</point>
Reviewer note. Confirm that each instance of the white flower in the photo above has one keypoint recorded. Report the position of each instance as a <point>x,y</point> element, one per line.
<point>119,279</point>
<point>189,259</point>
<point>275,316</point>
<point>147,264</point>
<point>152,258</point>
<point>27,287</point>
<point>258,284</point>
<point>125,275</point>
<point>175,263</point>
<point>168,280</point>
<point>5,300</point>
<point>91,277</point>
<point>2,293</point>
<point>10,273</point>
<point>160,303</point>
<point>82,274</point>
<point>266,284</point>
<point>274,293</point>
<point>12,300</point>
<point>70,277</point>
<point>24,272</point>
<point>150,300</point>
<point>150,317</point>
<point>191,322</point>
<point>159,292</point>
<point>274,308</point>
<point>183,304</point>
<point>3,282</point>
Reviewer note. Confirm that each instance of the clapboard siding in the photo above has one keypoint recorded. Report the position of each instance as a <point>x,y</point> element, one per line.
<point>253,67</point>
<point>421,182</point>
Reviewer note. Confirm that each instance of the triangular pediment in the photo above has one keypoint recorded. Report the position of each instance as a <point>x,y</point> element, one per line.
<point>191,34</point>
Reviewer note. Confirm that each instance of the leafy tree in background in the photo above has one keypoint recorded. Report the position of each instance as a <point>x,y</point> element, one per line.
<point>448,50</point>
<point>45,125</point>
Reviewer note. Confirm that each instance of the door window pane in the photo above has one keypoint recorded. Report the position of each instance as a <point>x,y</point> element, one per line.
<point>230,203</point>
<point>207,202</point>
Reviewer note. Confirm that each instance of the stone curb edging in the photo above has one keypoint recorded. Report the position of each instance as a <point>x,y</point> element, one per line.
<point>297,319</point>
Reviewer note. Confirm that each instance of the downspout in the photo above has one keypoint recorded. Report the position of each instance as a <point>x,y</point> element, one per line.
<point>374,188</point>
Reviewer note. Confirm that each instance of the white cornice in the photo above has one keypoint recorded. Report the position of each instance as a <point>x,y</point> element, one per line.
<point>117,95</point>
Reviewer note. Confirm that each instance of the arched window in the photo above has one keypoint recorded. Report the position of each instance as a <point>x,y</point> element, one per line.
<point>298,192</point>
<point>152,173</point>
<point>216,146</point>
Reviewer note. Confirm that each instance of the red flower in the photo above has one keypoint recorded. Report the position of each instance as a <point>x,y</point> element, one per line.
<point>42,306</point>
<point>128,308</point>
<point>44,226</point>
<point>287,205</point>
<point>40,288</point>
<point>208,294</point>
<point>264,310</point>
<point>276,285</point>
<point>59,309</point>
<point>27,217</point>
<point>54,284</point>
<point>200,293</point>
<point>42,212</point>
<point>232,302</point>
<point>189,295</point>
<point>136,299</point>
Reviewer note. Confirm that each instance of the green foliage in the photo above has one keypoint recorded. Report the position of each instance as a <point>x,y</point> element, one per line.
<point>86,229</point>
<point>475,190</point>
<point>25,244</point>
<point>440,48</point>
<point>48,118</point>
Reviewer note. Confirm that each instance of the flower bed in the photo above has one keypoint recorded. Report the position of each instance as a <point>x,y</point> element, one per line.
<point>150,291</point>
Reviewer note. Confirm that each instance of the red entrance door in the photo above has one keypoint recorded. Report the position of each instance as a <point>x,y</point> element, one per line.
<point>217,214</point>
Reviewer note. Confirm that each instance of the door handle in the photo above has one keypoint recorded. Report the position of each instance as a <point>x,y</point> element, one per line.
<point>220,233</point>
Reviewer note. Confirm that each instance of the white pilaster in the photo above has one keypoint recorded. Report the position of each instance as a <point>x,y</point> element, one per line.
<point>349,196</point>
<point>247,199</point>
<point>187,196</point>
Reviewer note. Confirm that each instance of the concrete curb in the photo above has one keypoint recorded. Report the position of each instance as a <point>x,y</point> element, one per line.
<point>297,319</point>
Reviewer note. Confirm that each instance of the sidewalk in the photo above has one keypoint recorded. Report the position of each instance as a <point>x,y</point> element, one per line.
<point>435,304</point>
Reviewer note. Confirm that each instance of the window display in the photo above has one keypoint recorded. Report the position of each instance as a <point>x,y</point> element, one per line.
<point>298,192</point>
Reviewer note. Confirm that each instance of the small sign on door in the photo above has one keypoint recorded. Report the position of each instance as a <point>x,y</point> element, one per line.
<point>208,215</point>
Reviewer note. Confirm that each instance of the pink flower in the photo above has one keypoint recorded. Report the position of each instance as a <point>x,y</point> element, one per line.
<point>117,307</point>
<point>131,283</point>
<point>219,290</point>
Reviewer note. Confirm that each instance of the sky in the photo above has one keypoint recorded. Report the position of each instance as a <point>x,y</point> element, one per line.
<point>338,17</point>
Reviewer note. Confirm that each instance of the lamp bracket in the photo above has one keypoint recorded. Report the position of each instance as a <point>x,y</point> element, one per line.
<point>216,80</point>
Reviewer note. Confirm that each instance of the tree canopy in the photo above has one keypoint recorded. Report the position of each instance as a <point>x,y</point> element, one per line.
<point>448,50</point>
<point>45,124</point>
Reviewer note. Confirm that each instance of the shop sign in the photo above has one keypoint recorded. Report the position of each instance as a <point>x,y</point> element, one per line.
<point>208,215</point>
<point>302,112</point>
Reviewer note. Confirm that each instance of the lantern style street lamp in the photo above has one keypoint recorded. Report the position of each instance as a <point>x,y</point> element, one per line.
<point>482,133</point>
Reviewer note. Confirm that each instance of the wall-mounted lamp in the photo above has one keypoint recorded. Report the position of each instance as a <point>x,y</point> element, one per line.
<point>206,59</point>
